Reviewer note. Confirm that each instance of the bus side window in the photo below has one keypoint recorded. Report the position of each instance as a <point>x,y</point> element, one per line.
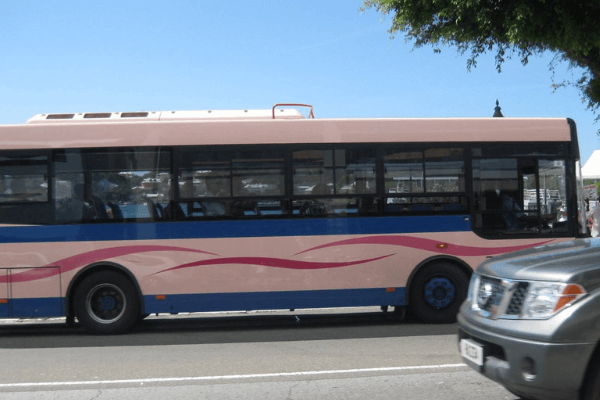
<point>73,207</point>
<point>519,196</point>
<point>24,189</point>
<point>424,181</point>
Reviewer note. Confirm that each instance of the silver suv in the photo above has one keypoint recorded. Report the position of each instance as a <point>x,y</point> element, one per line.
<point>531,321</point>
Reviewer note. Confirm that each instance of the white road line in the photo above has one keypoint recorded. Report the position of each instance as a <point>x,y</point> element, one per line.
<point>226,377</point>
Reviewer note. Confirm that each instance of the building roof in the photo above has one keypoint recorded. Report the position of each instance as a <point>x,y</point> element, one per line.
<point>591,169</point>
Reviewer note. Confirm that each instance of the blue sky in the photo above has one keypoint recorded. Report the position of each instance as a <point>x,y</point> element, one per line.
<point>73,56</point>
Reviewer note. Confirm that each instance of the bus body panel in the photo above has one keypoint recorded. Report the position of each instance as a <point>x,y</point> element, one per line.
<point>4,294</point>
<point>205,271</point>
<point>36,136</point>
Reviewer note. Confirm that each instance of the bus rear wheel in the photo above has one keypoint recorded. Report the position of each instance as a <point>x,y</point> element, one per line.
<point>106,302</point>
<point>437,291</point>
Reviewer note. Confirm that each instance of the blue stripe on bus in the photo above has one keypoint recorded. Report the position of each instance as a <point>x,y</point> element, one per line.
<point>32,308</point>
<point>233,229</point>
<point>178,303</point>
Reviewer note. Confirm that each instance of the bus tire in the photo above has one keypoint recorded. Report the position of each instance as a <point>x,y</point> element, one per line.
<point>437,292</point>
<point>106,302</point>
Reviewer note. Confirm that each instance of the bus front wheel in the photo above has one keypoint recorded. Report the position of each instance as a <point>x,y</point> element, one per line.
<point>437,291</point>
<point>106,302</point>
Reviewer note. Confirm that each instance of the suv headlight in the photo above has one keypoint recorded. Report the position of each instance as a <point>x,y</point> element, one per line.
<point>544,299</point>
<point>494,297</point>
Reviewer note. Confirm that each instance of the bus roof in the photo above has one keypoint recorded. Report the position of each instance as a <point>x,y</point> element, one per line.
<point>258,127</point>
<point>199,115</point>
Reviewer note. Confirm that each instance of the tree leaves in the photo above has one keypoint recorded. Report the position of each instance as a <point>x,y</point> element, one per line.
<point>520,28</point>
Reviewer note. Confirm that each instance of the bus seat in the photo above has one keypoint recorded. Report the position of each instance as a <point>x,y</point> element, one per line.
<point>240,208</point>
<point>152,211</point>
<point>160,211</point>
<point>116,211</point>
<point>98,207</point>
<point>74,210</point>
<point>174,212</point>
<point>320,189</point>
<point>365,205</point>
<point>421,207</point>
<point>393,208</point>
<point>453,207</point>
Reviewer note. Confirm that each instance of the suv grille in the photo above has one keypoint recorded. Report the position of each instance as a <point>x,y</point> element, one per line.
<point>496,298</point>
<point>518,297</point>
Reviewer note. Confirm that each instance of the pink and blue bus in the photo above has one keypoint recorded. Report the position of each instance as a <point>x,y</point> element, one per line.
<point>110,217</point>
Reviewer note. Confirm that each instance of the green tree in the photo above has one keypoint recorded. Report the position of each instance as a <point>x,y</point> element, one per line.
<point>521,28</point>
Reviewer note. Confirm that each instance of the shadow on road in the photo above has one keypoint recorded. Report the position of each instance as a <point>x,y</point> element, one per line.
<point>219,328</point>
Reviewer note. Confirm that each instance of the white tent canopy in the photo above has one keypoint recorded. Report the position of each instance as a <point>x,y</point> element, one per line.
<point>591,169</point>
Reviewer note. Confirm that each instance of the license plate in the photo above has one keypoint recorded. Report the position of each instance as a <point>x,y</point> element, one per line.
<point>472,351</point>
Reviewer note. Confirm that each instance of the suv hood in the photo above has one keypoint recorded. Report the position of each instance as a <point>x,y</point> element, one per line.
<point>576,261</point>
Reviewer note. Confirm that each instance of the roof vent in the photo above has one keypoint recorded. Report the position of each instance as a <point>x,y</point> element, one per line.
<point>60,116</point>
<point>134,114</point>
<point>97,115</point>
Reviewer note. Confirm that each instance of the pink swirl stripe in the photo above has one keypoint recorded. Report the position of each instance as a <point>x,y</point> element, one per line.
<point>427,245</point>
<point>79,260</point>
<point>273,262</point>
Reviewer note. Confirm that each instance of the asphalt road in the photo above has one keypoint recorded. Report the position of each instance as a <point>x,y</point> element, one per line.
<point>277,355</point>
